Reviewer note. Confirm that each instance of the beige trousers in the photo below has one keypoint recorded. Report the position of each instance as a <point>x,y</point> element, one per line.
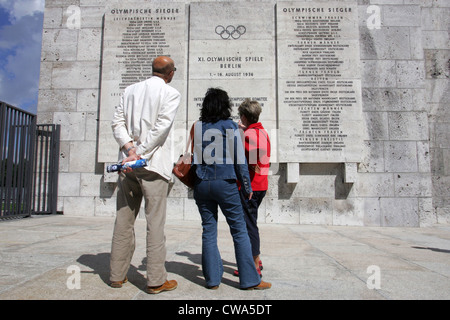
<point>132,187</point>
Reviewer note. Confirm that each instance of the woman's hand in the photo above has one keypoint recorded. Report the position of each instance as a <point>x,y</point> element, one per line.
<point>241,125</point>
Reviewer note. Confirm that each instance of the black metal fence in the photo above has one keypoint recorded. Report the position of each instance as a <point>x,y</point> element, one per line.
<point>17,132</point>
<point>46,169</point>
<point>29,156</point>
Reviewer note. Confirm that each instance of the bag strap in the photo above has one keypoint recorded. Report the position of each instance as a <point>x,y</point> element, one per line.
<point>191,139</point>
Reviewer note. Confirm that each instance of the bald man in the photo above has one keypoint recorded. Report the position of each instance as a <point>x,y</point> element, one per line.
<point>141,126</point>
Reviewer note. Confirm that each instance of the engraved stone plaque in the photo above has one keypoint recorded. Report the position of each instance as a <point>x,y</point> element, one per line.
<point>134,34</point>
<point>319,84</point>
<point>232,46</point>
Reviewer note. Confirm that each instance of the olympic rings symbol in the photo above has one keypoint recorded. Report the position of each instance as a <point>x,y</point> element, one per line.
<point>230,31</point>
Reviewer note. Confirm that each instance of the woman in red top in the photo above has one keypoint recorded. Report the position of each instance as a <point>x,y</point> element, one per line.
<point>257,152</point>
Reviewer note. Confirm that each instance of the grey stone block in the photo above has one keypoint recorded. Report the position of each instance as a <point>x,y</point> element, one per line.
<point>59,45</point>
<point>410,74</point>
<point>378,73</point>
<point>283,211</point>
<point>377,125</point>
<point>437,64</point>
<point>73,124</point>
<point>52,100</point>
<point>408,126</point>
<point>387,43</point>
<point>400,156</point>
<point>397,212</point>
<point>76,75</point>
<point>401,16</point>
<point>412,185</point>
<point>69,184</point>
<point>316,211</point>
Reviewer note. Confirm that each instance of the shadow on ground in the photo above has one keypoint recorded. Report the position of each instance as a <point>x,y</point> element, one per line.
<point>99,263</point>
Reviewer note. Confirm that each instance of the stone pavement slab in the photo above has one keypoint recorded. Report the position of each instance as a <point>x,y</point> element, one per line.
<point>66,257</point>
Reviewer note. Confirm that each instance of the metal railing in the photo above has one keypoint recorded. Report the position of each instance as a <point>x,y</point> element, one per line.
<point>17,133</point>
<point>46,169</point>
<point>29,155</point>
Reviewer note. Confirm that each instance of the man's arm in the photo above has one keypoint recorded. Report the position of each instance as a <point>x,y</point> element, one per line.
<point>120,132</point>
<point>158,134</point>
<point>119,126</point>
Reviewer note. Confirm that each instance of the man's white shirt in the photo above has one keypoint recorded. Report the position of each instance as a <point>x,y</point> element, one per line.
<point>145,116</point>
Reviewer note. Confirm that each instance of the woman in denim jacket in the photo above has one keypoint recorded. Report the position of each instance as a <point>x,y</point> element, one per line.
<point>219,160</point>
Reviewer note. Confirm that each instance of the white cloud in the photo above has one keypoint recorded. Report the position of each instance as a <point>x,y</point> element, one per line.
<point>21,87</point>
<point>21,8</point>
<point>20,52</point>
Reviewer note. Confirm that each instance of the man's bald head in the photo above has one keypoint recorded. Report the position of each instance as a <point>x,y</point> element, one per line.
<point>163,67</point>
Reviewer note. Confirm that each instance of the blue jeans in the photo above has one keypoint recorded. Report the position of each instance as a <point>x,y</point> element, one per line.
<point>209,195</point>
<point>251,218</point>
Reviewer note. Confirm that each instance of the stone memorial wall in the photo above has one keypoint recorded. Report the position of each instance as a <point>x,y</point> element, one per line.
<point>354,94</point>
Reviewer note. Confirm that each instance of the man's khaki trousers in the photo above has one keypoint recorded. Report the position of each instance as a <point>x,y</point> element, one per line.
<point>131,188</point>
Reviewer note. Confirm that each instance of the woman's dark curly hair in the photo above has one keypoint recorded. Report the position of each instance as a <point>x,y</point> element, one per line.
<point>216,106</point>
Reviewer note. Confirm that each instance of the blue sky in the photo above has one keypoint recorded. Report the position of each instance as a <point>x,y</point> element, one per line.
<point>20,52</point>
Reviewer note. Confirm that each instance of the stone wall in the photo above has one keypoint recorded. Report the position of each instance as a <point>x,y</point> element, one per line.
<point>403,179</point>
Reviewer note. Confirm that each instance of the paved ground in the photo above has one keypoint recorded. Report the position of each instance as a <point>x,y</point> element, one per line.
<point>41,256</point>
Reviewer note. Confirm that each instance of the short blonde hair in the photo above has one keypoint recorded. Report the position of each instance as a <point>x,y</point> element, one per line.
<point>251,109</point>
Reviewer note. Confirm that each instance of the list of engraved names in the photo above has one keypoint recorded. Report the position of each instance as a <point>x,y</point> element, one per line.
<point>133,36</point>
<point>143,38</point>
<point>321,86</point>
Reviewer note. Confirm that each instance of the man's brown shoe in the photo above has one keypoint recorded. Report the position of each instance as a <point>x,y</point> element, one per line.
<point>212,287</point>
<point>118,284</point>
<point>262,286</point>
<point>169,285</point>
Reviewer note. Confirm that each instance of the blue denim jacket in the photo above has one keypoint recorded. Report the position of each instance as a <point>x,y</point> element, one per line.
<point>219,152</point>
